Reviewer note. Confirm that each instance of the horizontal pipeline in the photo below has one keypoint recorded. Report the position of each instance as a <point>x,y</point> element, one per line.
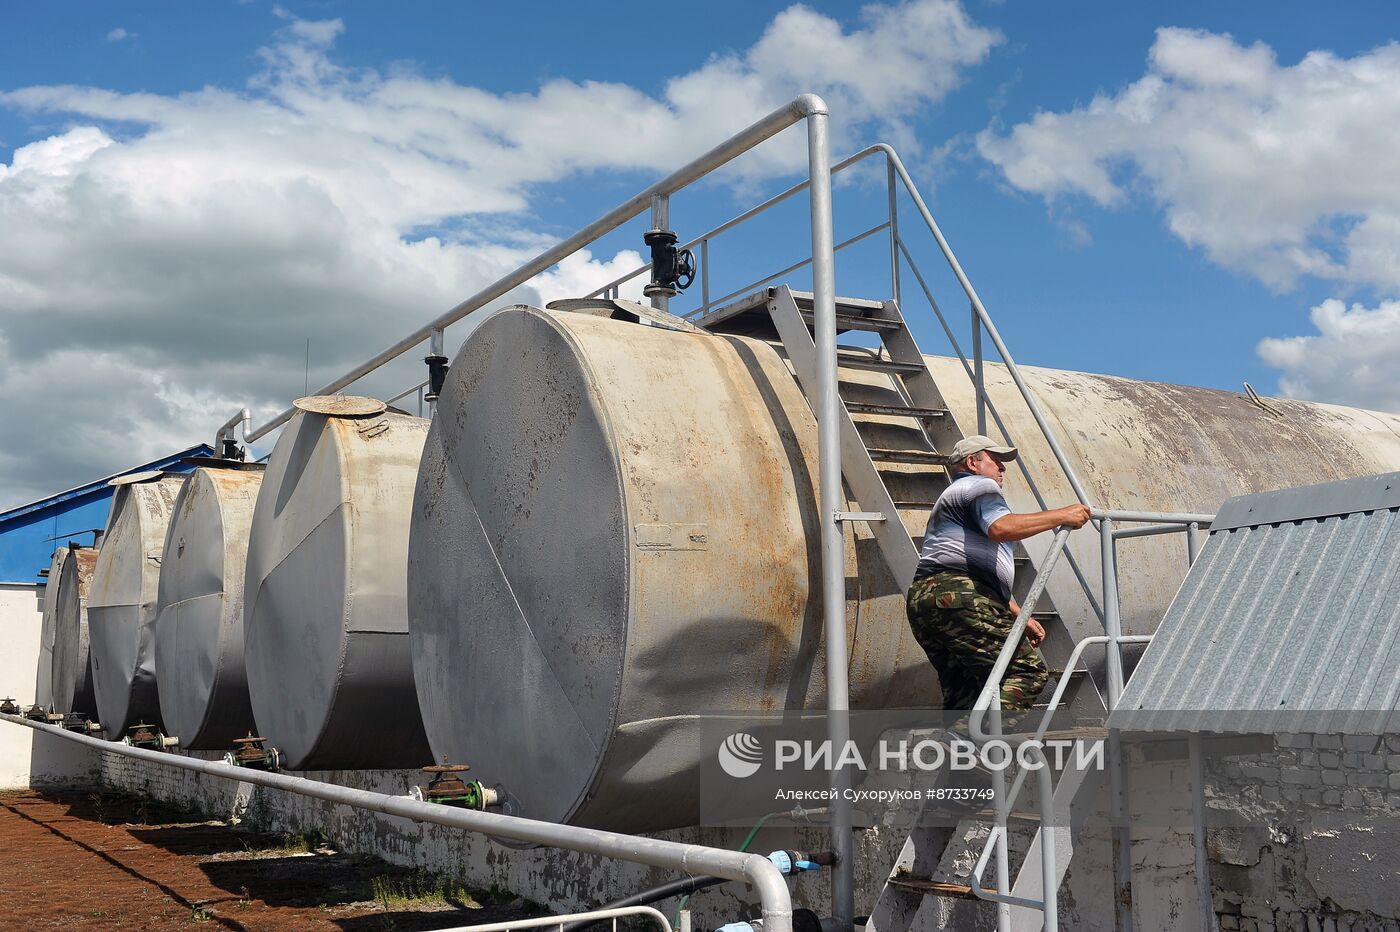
<point>754,869</point>
<point>1153,517</point>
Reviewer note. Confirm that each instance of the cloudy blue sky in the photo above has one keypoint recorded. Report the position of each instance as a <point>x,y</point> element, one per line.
<point>189,195</point>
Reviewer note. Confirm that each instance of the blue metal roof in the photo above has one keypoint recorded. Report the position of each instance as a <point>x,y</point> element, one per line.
<point>30,533</point>
<point>1289,622</point>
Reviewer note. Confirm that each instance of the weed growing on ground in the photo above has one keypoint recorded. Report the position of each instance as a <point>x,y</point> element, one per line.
<point>421,888</point>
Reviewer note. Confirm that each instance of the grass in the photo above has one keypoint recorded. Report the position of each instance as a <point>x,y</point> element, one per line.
<point>420,889</point>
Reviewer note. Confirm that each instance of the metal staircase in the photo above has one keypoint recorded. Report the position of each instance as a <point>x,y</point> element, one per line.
<point>785,316</point>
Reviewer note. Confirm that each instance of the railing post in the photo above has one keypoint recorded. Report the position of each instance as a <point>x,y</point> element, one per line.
<point>1003,807</point>
<point>1193,542</point>
<point>891,193</point>
<point>833,565</point>
<point>977,375</point>
<point>705,275</point>
<point>660,220</point>
<point>1117,778</point>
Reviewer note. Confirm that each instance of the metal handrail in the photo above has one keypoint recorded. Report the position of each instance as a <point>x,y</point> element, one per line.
<point>806,106</point>
<point>749,868</point>
<point>1015,791</point>
<point>1113,639</point>
<point>749,288</point>
<point>549,922</point>
<point>895,169</point>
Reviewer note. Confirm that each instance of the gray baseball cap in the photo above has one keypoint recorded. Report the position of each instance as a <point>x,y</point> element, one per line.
<point>976,444</point>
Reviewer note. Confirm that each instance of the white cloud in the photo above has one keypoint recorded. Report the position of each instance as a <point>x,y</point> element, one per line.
<point>118,34</point>
<point>1276,170</point>
<point>165,257</point>
<point>1352,359</point>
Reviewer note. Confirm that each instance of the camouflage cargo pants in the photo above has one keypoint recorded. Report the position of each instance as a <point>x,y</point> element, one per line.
<point>962,625</point>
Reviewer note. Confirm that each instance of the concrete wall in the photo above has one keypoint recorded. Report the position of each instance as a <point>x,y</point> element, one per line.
<point>1311,840</point>
<point>28,758</point>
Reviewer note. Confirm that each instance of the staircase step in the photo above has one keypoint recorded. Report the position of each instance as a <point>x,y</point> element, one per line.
<point>907,456</point>
<point>932,887</point>
<point>846,322</point>
<point>844,305</point>
<point>874,364</point>
<point>1084,733</point>
<point>861,407</point>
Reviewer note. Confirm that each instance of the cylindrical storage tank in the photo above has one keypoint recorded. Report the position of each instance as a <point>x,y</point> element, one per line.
<point>199,626</point>
<point>72,664</point>
<point>43,679</point>
<point>122,604</point>
<point>325,615</point>
<point>615,529</point>
<point>1151,446</point>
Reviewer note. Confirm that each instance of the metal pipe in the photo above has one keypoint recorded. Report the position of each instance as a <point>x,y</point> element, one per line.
<point>660,220</point>
<point>1155,530</point>
<point>407,391</point>
<point>1118,778</point>
<point>588,918</point>
<point>1193,542</point>
<point>228,428</point>
<point>705,273</point>
<point>1049,882</point>
<point>1152,517</point>
<point>1003,807</point>
<point>754,869</point>
<point>891,194</point>
<point>1198,832</point>
<point>804,106</point>
<point>996,896</point>
<point>986,319</point>
<point>833,566</point>
<point>978,378</point>
<point>746,215</point>
<point>1112,619</point>
<point>682,887</point>
<point>747,289</point>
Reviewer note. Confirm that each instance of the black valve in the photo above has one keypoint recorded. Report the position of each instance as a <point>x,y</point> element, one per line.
<point>672,269</point>
<point>231,451</point>
<point>437,375</point>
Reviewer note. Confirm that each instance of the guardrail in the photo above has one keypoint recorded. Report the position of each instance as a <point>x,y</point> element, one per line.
<point>989,700</point>
<point>754,869</point>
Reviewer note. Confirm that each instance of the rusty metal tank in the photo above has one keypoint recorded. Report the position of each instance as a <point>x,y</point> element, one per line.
<point>43,679</point>
<point>199,614</point>
<point>122,601</point>
<point>325,616</point>
<point>616,529</point>
<point>1151,446</point>
<point>72,666</point>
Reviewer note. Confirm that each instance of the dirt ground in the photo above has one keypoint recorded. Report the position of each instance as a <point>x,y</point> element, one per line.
<point>76,860</point>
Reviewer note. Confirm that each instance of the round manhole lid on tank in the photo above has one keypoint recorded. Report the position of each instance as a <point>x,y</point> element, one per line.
<point>341,405</point>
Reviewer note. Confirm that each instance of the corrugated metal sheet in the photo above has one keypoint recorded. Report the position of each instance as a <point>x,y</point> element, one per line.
<point>1288,623</point>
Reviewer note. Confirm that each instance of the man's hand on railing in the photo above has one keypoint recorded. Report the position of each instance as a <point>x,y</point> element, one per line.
<point>1074,516</point>
<point>1035,631</point>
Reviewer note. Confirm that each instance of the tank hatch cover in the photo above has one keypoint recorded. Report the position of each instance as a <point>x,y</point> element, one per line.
<point>341,405</point>
<point>622,309</point>
<point>132,478</point>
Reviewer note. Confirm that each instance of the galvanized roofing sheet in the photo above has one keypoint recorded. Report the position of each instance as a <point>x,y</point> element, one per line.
<point>1288,623</point>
